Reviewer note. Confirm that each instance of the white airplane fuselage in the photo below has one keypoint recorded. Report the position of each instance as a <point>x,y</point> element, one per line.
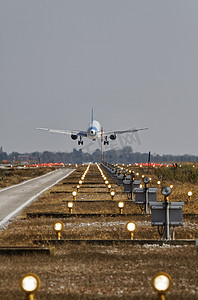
<point>94,130</point>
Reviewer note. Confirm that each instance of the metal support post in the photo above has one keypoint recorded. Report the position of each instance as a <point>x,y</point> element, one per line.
<point>30,297</point>
<point>167,221</point>
<point>173,233</point>
<point>132,189</point>
<point>146,198</point>
<point>161,296</point>
<point>102,145</point>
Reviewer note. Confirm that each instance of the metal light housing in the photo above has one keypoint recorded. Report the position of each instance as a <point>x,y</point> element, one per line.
<point>121,206</point>
<point>30,283</point>
<point>112,193</point>
<point>131,227</point>
<point>161,282</point>
<point>147,180</point>
<point>74,194</point>
<point>70,205</point>
<point>189,194</point>
<point>58,227</point>
<point>166,191</point>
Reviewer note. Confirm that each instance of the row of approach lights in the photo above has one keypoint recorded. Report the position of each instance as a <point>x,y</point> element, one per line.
<point>190,193</point>
<point>112,192</point>
<point>70,204</point>
<point>58,227</point>
<point>121,204</point>
<point>158,182</point>
<point>171,186</point>
<point>161,283</point>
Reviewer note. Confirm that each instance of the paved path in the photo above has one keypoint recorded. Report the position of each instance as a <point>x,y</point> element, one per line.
<point>13,199</point>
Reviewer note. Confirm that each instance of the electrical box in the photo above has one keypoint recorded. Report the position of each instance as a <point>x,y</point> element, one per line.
<point>140,195</point>
<point>158,213</point>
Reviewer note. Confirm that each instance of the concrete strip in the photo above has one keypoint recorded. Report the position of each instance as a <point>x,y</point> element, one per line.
<point>74,215</point>
<point>13,200</point>
<point>118,242</point>
<point>23,250</point>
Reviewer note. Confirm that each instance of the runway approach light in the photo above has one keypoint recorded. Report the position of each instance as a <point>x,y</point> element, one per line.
<point>30,283</point>
<point>109,186</point>
<point>77,187</point>
<point>70,205</point>
<point>171,186</point>
<point>189,195</point>
<point>131,227</point>
<point>121,206</point>
<point>106,182</point>
<point>166,191</point>
<point>161,283</point>
<point>105,178</point>
<point>58,228</point>
<point>74,194</point>
<point>80,182</point>
<point>112,193</point>
<point>158,182</point>
<point>147,180</point>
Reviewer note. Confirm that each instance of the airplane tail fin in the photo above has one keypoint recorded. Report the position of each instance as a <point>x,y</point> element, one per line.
<point>92,117</point>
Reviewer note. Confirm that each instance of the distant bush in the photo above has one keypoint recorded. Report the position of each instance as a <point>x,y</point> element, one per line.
<point>185,173</point>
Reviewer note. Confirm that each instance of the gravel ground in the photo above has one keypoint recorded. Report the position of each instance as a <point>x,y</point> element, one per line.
<point>93,271</point>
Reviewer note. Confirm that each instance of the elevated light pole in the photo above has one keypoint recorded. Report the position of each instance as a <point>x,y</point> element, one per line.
<point>102,144</point>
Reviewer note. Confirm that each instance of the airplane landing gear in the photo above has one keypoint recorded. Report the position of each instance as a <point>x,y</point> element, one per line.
<point>80,142</point>
<point>105,141</point>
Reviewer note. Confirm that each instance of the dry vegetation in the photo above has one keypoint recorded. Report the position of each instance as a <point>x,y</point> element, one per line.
<point>11,176</point>
<point>90,272</point>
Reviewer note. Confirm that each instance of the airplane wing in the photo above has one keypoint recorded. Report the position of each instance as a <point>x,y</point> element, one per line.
<point>75,132</point>
<point>123,131</point>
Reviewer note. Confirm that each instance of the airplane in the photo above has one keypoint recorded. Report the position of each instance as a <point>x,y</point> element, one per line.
<point>93,132</point>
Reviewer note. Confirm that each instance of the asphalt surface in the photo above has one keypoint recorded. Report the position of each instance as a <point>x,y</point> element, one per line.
<point>13,199</point>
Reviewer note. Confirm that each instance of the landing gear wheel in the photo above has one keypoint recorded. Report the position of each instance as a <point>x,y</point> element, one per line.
<point>80,142</point>
<point>105,141</point>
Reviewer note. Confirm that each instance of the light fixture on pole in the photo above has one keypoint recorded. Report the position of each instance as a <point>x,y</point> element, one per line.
<point>131,227</point>
<point>58,228</point>
<point>161,283</point>
<point>74,194</point>
<point>30,283</point>
<point>121,206</point>
<point>70,205</point>
<point>112,193</point>
<point>189,195</point>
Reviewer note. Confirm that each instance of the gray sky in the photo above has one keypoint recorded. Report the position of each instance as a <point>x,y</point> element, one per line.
<point>134,61</point>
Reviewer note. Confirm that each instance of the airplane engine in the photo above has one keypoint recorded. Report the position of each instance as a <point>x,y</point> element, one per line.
<point>113,136</point>
<point>74,137</point>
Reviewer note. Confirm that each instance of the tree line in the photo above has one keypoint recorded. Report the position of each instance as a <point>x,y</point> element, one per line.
<point>125,155</point>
